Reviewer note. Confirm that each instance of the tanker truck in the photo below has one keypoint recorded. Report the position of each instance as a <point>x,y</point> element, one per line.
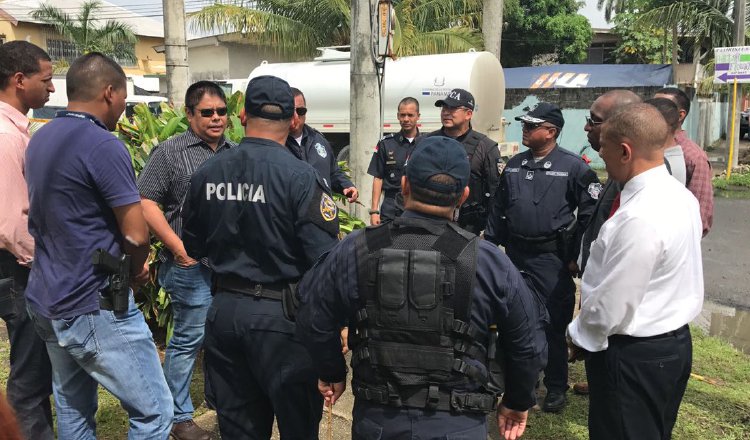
<point>325,83</point>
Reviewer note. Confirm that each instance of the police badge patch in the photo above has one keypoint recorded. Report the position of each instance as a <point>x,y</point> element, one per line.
<point>321,150</point>
<point>327,208</point>
<point>594,190</point>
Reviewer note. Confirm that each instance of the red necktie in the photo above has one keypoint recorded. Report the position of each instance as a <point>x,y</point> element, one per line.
<point>615,205</point>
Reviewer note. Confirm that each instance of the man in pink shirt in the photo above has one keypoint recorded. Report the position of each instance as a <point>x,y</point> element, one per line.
<point>697,167</point>
<point>25,83</point>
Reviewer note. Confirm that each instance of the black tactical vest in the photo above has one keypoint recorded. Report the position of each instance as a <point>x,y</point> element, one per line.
<point>412,343</point>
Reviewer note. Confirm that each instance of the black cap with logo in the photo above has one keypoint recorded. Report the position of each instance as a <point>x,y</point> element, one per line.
<point>544,112</point>
<point>457,98</point>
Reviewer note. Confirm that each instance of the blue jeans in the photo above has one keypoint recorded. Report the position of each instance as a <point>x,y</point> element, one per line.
<point>190,291</point>
<point>115,350</point>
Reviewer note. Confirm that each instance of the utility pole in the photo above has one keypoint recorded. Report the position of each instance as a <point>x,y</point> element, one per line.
<point>364,107</point>
<point>739,40</point>
<point>492,26</point>
<point>175,44</point>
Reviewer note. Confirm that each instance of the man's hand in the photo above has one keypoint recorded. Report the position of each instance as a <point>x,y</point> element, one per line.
<point>141,278</point>
<point>574,269</point>
<point>183,259</point>
<point>351,194</point>
<point>345,340</point>
<point>374,219</point>
<point>331,391</point>
<point>512,423</point>
<point>575,353</point>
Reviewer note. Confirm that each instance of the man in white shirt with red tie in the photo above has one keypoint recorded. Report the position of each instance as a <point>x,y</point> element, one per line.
<point>643,284</point>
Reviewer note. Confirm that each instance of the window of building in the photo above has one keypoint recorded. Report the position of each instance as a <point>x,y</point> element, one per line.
<point>62,50</point>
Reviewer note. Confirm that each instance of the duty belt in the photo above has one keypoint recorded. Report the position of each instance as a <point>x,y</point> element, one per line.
<point>243,286</point>
<point>538,245</point>
<point>430,397</point>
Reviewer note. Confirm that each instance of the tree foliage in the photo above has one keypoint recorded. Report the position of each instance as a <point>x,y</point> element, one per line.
<point>89,34</point>
<point>535,27</point>
<point>640,44</point>
<point>295,28</point>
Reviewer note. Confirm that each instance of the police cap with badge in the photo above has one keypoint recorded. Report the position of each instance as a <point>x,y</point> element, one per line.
<point>543,112</point>
<point>457,98</point>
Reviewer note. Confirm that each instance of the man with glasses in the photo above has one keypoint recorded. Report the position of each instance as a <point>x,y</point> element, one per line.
<point>534,218</point>
<point>163,184</point>
<point>309,145</point>
<point>484,157</point>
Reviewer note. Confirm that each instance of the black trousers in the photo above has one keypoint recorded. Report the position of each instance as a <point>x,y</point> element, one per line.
<point>388,209</point>
<point>373,421</point>
<point>557,288</point>
<point>30,380</point>
<point>637,384</point>
<point>257,369</point>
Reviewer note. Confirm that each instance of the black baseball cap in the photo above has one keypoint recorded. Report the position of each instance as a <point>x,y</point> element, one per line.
<point>438,155</point>
<point>544,112</point>
<point>269,90</point>
<point>457,98</point>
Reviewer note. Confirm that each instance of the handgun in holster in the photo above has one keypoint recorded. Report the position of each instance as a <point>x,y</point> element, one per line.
<point>474,214</point>
<point>289,302</point>
<point>115,296</point>
<point>495,364</point>
<point>565,241</point>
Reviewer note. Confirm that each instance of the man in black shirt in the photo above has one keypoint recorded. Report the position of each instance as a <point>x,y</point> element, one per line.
<point>262,218</point>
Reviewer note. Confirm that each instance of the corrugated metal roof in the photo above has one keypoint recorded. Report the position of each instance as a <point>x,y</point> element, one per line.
<point>558,76</point>
<point>20,10</point>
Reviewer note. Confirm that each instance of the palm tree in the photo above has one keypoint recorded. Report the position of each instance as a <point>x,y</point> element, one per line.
<point>296,27</point>
<point>113,38</point>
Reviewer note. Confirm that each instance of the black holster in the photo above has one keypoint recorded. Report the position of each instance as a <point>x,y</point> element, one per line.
<point>289,301</point>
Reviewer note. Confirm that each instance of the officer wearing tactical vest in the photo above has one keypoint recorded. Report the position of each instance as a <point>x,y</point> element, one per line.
<point>387,163</point>
<point>419,295</point>
<point>262,218</point>
<point>456,112</point>
<point>534,217</point>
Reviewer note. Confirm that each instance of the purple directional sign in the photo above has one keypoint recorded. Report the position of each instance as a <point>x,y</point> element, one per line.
<point>732,63</point>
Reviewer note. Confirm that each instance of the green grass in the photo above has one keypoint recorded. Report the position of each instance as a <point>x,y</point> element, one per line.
<point>736,180</point>
<point>715,407</point>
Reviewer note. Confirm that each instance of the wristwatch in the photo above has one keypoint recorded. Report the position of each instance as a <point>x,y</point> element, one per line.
<point>374,211</point>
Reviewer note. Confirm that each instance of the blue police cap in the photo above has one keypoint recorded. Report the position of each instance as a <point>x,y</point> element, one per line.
<point>269,90</point>
<point>438,155</point>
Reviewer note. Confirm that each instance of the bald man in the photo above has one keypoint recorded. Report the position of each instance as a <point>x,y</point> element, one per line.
<point>642,286</point>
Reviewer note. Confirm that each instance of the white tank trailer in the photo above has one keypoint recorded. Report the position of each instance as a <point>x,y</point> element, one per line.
<point>325,83</point>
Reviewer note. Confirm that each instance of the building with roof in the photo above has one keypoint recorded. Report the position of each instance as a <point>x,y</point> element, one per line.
<point>16,23</point>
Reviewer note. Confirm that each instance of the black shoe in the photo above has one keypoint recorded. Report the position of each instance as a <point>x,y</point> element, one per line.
<point>554,402</point>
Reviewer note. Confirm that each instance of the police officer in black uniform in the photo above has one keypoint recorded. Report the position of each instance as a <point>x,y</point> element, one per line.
<point>262,218</point>
<point>419,295</point>
<point>387,163</point>
<point>484,157</point>
<point>308,144</point>
<point>534,218</point>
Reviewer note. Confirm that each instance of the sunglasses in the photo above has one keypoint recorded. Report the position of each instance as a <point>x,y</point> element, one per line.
<point>301,111</point>
<point>592,122</point>
<point>208,112</point>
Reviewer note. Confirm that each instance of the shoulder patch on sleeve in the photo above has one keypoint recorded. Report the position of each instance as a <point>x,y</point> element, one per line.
<point>594,190</point>
<point>323,211</point>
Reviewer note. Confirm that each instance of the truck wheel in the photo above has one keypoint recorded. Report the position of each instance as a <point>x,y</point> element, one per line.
<point>343,154</point>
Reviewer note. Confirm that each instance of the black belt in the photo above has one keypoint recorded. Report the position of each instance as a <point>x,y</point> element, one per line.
<point>243,286</point>
<point>629,338</point>
<point>430,397</point>
<point>534,245</point>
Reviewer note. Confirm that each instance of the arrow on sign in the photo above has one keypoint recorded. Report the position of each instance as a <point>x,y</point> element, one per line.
<point>725,76</point>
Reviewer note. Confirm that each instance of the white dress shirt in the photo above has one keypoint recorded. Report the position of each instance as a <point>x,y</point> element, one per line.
<point>676,159</point>
<point>644,276</point>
